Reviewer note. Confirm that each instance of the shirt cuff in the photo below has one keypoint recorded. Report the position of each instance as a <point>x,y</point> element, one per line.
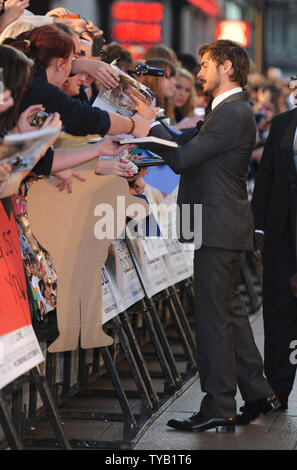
<point>259,231</point>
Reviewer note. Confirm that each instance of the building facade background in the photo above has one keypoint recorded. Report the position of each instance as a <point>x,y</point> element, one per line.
<point>187,24</point>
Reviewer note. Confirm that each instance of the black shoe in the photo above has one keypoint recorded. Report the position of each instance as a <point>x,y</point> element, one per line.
<point>253,410</point>
<point>199,422</point>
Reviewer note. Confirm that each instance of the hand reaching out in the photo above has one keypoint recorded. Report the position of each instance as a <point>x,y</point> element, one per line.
<point>77,24</point>
<point>144,110</point>
<point>66,177</point>
<point>91,31</point>
<point>25,119</point>
<point>142,126</point>
<point>103,73</point>
<point>53,120</point>
<point>13,10</point>
<point>111,166</point>
<point>84,27</point>
<point>108,147</point>
<point>59,11</point>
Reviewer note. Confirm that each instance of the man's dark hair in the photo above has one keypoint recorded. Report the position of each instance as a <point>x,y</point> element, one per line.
<point>224,49</point>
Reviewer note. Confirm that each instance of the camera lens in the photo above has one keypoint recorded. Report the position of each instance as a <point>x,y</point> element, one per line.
<point>144,69</point>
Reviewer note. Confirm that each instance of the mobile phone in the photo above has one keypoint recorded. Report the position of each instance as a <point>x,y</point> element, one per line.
<point>39,118</point>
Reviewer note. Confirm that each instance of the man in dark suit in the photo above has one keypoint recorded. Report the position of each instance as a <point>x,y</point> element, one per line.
<point>213,162</point>
<point>274,208</point>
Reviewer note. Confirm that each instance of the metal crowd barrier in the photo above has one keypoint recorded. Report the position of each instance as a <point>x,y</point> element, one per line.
<point>121,389</point>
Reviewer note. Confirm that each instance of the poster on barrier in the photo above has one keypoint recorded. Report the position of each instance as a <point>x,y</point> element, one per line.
<point>151,237</point>
<point>177,263</point>
<point>152,271</point>
<point>109,306</point>
<point>40,274</point>
<point>179,259</point>
<point>125,283</point>
<point>91,216</point>
<point>149,233</point>
<point>19,348</point>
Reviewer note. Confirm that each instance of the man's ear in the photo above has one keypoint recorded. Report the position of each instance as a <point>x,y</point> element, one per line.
<point>227,66</point>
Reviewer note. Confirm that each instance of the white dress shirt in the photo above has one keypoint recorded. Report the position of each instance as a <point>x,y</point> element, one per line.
<point>218,99</point>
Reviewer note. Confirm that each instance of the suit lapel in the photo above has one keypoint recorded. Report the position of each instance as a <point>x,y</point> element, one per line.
<point>243,95</point>
<point>237,96</point>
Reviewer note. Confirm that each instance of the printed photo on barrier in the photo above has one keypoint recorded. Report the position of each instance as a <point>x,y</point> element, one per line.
<point>19,348</point>
<point>153,272</point>
<point>179,256</point>
<point>178,268</point>
<point>39,270</point>
<point>110,309</point>
<point>124,279</point>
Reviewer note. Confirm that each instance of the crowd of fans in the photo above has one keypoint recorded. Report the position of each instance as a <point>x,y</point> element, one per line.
<point>61,36</point>
<point>50,63</point>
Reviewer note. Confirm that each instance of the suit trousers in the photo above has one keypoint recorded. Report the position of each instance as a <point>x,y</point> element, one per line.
<point>226,351</point>
<point>280,316</point>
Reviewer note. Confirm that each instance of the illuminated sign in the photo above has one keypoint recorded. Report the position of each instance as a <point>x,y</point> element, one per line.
<point>138,23</point>
<point>239,31</point>
<point>148,12</point>
<point>131,31</point>
<point>210,7</point>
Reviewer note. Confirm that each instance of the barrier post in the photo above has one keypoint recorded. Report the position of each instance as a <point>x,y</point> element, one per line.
<point>50,407</point>
<point>10,432</point>
<point>124,319</point>
<point>146,404</point>
<point>169,383</point>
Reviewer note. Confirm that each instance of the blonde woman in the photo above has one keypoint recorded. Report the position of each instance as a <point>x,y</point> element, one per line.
<point>185,100</point>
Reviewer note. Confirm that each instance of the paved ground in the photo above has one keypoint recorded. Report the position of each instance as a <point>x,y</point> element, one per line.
<point>277,431</point>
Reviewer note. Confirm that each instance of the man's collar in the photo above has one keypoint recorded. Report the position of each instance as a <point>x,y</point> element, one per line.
<point>218,99</point>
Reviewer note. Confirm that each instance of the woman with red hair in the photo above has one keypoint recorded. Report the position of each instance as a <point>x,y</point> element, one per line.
<point>53,50</point>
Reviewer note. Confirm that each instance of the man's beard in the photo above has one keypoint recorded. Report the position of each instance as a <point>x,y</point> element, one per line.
<point>213,86</point>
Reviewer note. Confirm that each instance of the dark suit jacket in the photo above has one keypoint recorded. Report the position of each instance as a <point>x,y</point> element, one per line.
<point>214,167</point>
<point>274,197</point>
